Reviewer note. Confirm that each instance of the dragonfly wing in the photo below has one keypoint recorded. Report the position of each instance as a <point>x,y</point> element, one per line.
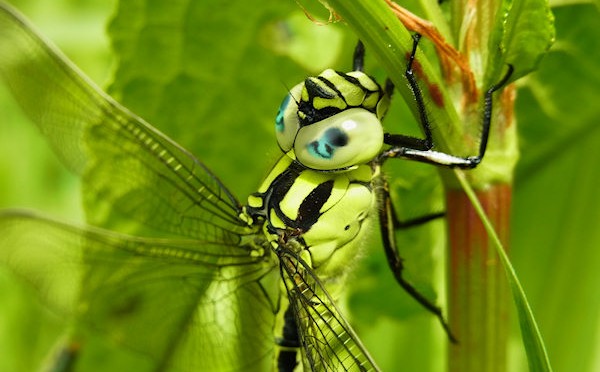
<point>130,170</point>
<point>328,342</point>
<point>189,305</point>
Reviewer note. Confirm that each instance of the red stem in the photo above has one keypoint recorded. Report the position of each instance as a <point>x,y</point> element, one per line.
<point>477,289</point>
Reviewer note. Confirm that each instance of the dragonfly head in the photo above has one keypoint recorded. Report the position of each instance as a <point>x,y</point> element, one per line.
<point>333,121</point>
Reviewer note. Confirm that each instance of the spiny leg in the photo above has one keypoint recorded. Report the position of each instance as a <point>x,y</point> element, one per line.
<point>389,224</point>
<point>409,141</point>
<point>358,60</point>
<point>358,63</point>
<point>487,113</point>
<point>415,221</point>
<point>421,149</point>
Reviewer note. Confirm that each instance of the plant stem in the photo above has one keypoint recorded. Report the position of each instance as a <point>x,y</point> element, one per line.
<point>477,288</point>
<point>478,295</point>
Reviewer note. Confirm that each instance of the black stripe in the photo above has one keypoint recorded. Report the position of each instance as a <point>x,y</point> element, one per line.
<point>287,359</point>
<point>309,210</point>
<point>283,182</point>
<point>332,86</point>
<point>276,191</point>
<point>279,189</point>
<point>313,115</point>
<point>315,90</point>
<point>351,79</point>
<point>355,81</point>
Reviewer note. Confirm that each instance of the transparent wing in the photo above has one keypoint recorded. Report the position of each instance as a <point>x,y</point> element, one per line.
<point>130,170</point>
<point>191,306</point>
<point>328,341</point>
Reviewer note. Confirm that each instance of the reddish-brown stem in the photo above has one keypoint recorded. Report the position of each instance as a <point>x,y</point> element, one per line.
<point>477,287</point>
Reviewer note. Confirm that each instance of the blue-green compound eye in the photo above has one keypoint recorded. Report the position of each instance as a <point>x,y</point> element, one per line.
<point>286,121</point>
<point>325,146</point>
<point>279,125</point>
<point>352,137</point>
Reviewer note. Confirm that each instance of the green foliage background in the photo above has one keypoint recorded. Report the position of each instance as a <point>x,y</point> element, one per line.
<point>211,75</point>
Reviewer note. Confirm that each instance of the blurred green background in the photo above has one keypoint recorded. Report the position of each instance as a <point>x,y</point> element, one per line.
<point>212,76</point>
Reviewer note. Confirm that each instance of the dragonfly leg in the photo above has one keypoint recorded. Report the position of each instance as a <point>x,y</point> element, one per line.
<point>358,61</point>
<point>389,224</point>
<point>417,221</point>
<point>413,222</point>
<point>421,149</point>
<point>358,64</point>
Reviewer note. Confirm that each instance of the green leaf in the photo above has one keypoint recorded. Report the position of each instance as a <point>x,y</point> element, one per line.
<point>555,238</point>
<point>201,72</point>
<point>522,35</point>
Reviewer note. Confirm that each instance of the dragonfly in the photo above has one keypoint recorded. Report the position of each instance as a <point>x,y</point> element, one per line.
<point>227,286</point>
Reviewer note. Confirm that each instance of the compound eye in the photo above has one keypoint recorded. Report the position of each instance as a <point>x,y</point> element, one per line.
<point>352,137</point>
<point>286,121</point>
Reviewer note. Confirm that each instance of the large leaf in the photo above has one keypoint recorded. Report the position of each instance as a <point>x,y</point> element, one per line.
<point>523,33</point>
<point>555,220</point>
<point>205,73</point>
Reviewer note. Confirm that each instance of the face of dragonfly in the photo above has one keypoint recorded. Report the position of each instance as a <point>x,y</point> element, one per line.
<point>332,121</point>
<point>201,293</point>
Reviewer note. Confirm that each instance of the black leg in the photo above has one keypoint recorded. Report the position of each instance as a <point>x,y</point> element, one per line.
<point>401,140</point>
<point>388,226</point>
<point>389,88</point>
<point>487,113</point>
<point>358,61</point>
<point>418,221</point>
<point>413,222</point>
<point>421,149</point>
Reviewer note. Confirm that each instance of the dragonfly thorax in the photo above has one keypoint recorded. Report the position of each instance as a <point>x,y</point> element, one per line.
<point>323,212</point>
